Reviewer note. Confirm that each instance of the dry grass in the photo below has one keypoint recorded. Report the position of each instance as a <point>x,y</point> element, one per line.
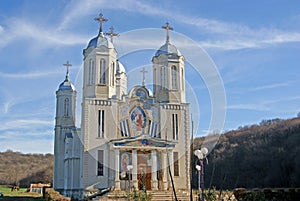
<point>20,195</point>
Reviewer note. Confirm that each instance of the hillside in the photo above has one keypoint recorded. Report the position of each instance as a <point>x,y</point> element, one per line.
<point>24,169</point>
<point>265,155</point>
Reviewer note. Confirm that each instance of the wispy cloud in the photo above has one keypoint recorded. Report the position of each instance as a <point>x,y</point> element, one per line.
<point>31,75</point>
<point>270,86</point>
<point>1,29</point>
<point>24,124</point>
<point>42,36</point>
<point>246,106</point>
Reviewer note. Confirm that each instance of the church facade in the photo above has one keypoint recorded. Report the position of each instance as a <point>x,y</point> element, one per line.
<point>127,139</point>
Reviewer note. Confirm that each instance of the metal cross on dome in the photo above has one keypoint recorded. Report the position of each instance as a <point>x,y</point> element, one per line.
<point>167,27</point>
<point>67,65</point>
<point>101,19</point>
<point>111,33</point>
<point>144,78</point>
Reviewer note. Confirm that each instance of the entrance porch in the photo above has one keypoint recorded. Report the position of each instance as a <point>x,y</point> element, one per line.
<point>143,167</point>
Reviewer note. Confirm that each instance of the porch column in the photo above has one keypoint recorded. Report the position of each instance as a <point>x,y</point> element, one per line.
<point>165,171</point>
<point>134,170</point>
<point>117,169</point>
<point>171,157</point>
<point>154,170</point>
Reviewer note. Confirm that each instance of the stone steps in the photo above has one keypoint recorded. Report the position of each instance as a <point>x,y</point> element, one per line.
<point>156,196</point>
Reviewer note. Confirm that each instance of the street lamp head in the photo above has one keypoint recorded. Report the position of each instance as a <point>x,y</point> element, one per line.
<point>197,152</point>
<point>204,151</point>
<point>198,167</point>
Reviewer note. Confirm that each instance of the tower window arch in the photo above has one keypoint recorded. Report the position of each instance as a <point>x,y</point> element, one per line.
<point>182,80</point>
<point>91,78</point>
<point>102,71</point>
<point>174,77</point>
<point>164,77</point>
<point>66,107</point>
<point>112,74</point>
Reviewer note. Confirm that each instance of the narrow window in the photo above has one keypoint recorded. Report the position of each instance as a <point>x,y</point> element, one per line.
<point>150,128</point>
<point>154,77</point>
<point>66,107</point>
<point>174,77</point>
<point>112,74</point>
<point>122,129</point>
<point>90,72</point>
<point>93,73</point>
<point>102,126</point>
<point>182,80</point>
<point>91,79</point>
<point>102,71</point>
<point>127,128</point>
<point>176,163</point>
<point>101,123</point>
<point>166,83</point>
<point>162,75</point>
<point>175,126</point>
<point>100,169</point>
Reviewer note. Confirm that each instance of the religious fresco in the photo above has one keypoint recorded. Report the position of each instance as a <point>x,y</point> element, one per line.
<point>143,143</point>
<point>138,120</point>
<point>125,160</point>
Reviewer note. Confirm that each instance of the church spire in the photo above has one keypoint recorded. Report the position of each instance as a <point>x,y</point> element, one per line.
<point>67,73</point>
<point>101,19</point>
<point>167,27</point>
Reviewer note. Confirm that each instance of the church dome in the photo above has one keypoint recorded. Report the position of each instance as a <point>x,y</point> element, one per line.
<point>100,40</point>
<point>120,67</point>
<point>168,49</point>
<point>66,85</point>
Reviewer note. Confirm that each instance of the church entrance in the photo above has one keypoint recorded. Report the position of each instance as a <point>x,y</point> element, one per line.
<point>144,170</point>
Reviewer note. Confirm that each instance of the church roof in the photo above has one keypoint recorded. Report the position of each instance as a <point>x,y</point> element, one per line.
<point>120,67</point>
<point>66,85</point>
<point>168,49</point>
<point>100,40</point>
<point>140,91</point>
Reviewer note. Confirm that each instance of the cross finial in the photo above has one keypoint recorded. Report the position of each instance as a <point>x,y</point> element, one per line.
<point>101,19</point>
<point>67,65</point>
<point>111,33</point>
<point>167,27</point>
<point>144,78</point>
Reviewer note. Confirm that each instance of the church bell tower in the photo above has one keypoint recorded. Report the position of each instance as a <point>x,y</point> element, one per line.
<point>168,72</point>
<point>100,63</point>
<point>64,127</point>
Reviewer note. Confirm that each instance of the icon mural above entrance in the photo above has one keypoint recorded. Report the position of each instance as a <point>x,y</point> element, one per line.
<point>138,120</point>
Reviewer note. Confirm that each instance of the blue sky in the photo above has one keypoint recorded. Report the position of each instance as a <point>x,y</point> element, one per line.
<point>254,45</point>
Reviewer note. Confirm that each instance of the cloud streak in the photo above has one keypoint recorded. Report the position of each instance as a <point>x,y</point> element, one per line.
<point>25,124</point>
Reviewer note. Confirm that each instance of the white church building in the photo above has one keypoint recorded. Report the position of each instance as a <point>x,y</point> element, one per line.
<point>127,137</point>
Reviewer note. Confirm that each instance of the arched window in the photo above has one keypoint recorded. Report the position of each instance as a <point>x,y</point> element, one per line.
<point>66,107</point>
<point>91,79</point>
<point>93,72</point>
<point>112,74</point>
<point>102,71</point>
<point>164,77</point>
<point>182,80</point>
<point>166,81</point>
<point>174,77</point>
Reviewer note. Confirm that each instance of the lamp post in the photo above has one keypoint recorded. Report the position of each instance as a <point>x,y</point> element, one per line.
<point>201,154</point>
<point>129,168</point>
